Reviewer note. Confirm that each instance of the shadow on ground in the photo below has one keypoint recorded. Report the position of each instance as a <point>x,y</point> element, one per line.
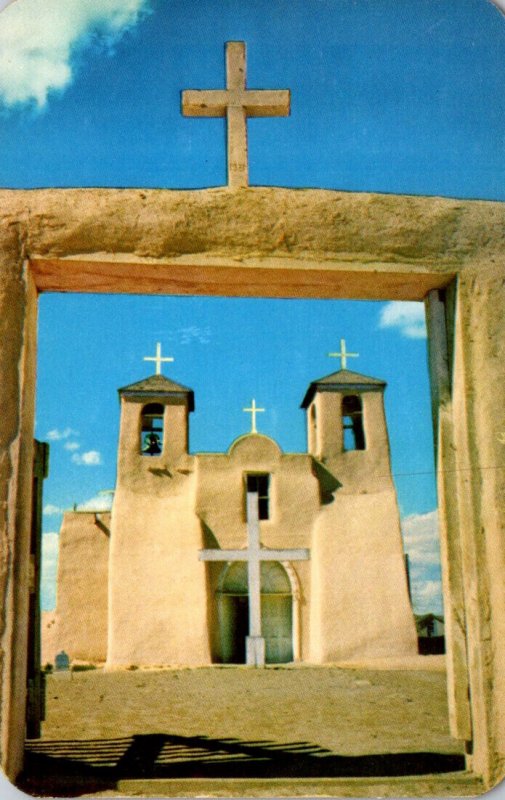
<point>80,767</point>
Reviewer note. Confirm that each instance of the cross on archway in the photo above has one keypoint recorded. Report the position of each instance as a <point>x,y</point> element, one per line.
<point>158,359</point>
<point>254,554</point>
<point>236,103</point>
<point>253,411</point>
<point>343,355</point>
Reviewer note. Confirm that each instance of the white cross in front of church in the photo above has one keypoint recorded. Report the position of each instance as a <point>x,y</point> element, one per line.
<point>253,555</point>
<point>343,355</point>
<point>158,358</point>
<point>236,103</point>
<point>253,411</point>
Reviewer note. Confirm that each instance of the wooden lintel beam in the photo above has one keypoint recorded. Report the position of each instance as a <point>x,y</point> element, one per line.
<point>119,277</point>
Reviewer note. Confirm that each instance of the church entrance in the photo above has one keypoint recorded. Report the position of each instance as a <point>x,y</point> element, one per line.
<point>276,613</point>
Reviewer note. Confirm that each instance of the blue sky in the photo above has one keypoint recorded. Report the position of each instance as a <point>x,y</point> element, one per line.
<point>387,95</point>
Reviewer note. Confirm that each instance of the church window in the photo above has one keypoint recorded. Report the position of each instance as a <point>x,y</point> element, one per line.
<point>352,423</point>
<point>151,443</point>
<point>260,483</point>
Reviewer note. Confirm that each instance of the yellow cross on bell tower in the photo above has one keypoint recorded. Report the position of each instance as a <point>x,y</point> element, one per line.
<point>343,355</point>
<point>158,359</point>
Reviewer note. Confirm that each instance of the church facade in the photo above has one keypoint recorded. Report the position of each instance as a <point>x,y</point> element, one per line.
<point>166,577</point>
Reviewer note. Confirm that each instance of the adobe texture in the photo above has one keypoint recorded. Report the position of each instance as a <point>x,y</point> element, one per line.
<point>284,243</point>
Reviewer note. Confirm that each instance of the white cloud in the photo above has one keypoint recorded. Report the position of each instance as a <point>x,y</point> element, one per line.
<point>49,570</point>
<point>56,435</point>
<point>91,458</point>
<point>188,335</point>
<point>100,502</point>
<point>39,39</point>
<point>50,510</point>
<point>427,597</point>
<point>194,334</point>
<point>407,317</point>
<point>420,536</point>
<point>71,446</point>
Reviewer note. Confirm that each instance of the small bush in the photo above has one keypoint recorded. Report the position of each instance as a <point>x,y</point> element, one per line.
<point>82,667</point>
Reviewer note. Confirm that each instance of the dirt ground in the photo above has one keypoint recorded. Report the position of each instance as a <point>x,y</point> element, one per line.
<point>348,711</point>
<point>236,722</point>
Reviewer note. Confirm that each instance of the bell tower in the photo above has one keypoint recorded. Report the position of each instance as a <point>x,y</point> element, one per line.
<point>155,533</point>
<point>357,537</point>
<point>154,428</point>
<point>346,426</point>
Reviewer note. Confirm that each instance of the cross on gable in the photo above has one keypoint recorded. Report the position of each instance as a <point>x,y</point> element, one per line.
<point>254,554</point>
<point>236,103</point>
<point>343,355</point>
<point>158,359</point>
<point>253,411</point>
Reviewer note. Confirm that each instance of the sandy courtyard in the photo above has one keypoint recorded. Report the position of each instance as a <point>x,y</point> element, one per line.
<point>348,711</point>
<point>236,722</point>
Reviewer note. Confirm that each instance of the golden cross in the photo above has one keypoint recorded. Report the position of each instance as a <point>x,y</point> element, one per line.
<point>253,411</point>
<point>343,355</point>
<point>236,103</point>
<point>157,358</point>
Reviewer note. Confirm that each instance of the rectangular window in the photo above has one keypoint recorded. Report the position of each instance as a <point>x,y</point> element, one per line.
<point>260,484</point>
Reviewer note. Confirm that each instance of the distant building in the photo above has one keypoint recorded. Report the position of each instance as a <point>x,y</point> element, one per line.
<point>431,634</point>
<point>430,626</point>
<point>132,588</point>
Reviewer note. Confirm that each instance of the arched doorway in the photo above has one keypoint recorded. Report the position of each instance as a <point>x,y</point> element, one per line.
<point>276,613</point>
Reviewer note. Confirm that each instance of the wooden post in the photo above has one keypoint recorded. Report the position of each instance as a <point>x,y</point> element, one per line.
<point>35,710</point>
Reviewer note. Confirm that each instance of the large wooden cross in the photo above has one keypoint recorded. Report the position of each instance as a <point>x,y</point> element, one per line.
<point>236,103</point>
<point>254,554</point>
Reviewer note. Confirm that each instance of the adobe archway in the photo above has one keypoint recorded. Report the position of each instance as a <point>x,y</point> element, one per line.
<point>286,243</point>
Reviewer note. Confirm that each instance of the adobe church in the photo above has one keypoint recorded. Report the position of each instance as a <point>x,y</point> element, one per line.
<point>249,556</point>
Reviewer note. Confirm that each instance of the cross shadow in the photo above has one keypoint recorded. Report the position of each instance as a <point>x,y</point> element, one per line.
<point>80,767</point>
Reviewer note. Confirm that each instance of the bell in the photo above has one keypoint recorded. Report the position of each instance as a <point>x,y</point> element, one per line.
<point>152,444</point>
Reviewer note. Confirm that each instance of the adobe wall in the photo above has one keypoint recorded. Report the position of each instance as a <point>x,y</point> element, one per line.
<point>294,493</point>
<point>82,595</point>
<point>477,512</point>
<point>157,589</point>
<point>284,243</point>
<point>361,607</point>
<point>17,379</point>
<point>262,222</point>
